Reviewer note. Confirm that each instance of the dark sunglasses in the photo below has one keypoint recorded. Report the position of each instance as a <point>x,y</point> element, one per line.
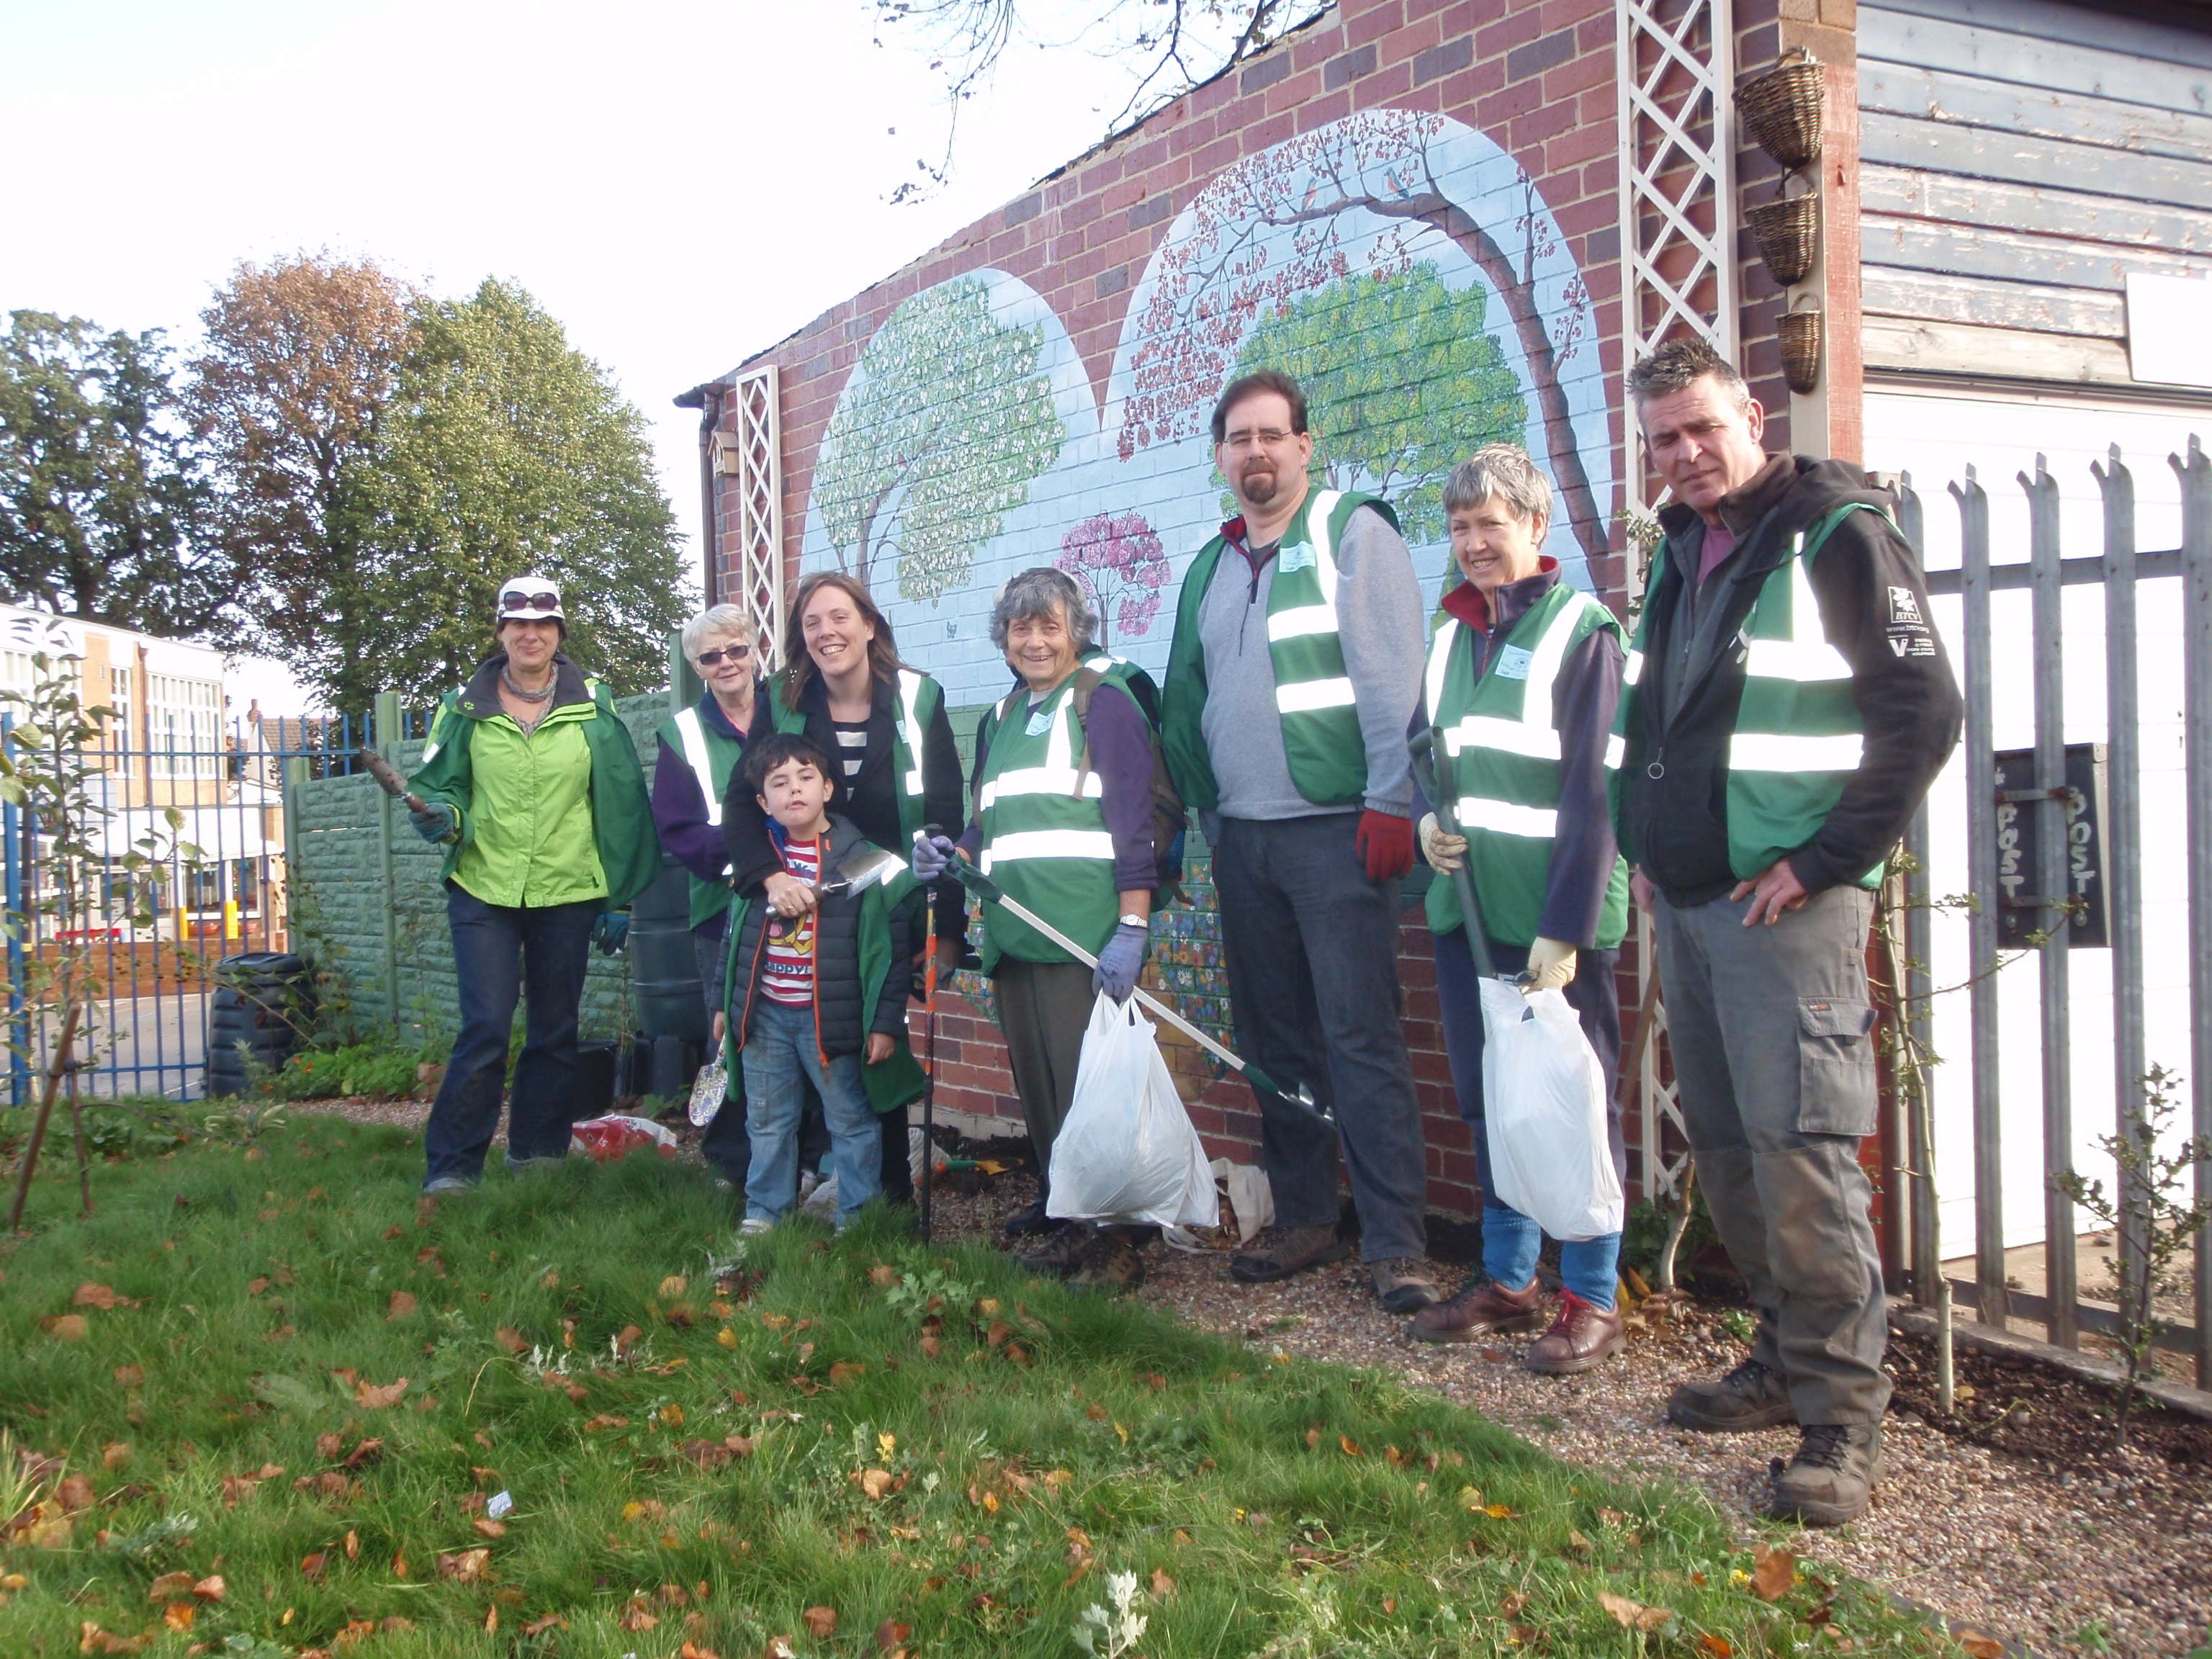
<point>734,653</point>
<point>529,602</point>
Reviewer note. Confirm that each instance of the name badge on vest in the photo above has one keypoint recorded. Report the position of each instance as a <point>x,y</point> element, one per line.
<point>1297,558</point>
<point>1513,662</point>
<point>1039,722</point>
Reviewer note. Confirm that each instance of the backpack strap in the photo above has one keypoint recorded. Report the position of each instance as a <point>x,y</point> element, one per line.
<point>1087,680</point>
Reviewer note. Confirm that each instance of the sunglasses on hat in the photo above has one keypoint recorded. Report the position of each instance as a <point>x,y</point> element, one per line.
<point>514,600</point>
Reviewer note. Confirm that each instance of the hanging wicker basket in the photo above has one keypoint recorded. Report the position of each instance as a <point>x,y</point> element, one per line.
<point>1800,334</point>
<point>1781,109</point>
<point>1788,231</point>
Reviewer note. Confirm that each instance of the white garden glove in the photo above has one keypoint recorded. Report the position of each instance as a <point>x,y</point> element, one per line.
<point>1445,852</point>
<point>1550,966</point>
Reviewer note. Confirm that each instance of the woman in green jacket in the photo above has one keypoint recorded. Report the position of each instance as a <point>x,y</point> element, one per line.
<point>533,787</point>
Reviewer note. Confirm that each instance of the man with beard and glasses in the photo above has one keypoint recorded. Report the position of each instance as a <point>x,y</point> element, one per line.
<point>1296,665</point>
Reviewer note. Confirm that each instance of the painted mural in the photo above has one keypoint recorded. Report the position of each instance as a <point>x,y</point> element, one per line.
<point>1401,265</point>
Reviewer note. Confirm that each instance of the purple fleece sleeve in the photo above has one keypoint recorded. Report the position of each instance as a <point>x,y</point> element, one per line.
<point>1582,852</point>
<point>679,812</point>
<point>1121,754</point>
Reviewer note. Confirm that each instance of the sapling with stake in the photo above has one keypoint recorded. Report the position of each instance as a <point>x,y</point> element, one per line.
<point>2164,1227</point>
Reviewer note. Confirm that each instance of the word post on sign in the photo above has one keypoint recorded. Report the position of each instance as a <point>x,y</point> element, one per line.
<point>2019,838</point>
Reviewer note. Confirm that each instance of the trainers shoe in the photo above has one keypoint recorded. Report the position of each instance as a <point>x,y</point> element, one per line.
<point>753,1226</point>
<point>1749,1397</point>
<point>1282,1251</point>
<point>1401,1286</point>
<point>1583,1337</point>
<point>1837,1468</point>
<point>447,1186</point>
<point>1481,1309</point>
<point>1109,1263</point>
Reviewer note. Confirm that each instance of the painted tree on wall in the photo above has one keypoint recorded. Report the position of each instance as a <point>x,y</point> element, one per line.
<point>1122,565</point>
<point>1217,280</point>
<point>938,437</point>
<point>1403,380</point>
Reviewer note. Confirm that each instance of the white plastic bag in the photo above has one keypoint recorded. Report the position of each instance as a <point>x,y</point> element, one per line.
<point>1250,1200</point>
<point>1127,1151</point>
<point>1544,1100</point>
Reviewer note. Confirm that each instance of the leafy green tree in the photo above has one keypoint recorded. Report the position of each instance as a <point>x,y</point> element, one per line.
<point>938,437</point>
<point>301,360</point>
<point>99,487</point>
<point>505,451</point>
<point>1402,383</point>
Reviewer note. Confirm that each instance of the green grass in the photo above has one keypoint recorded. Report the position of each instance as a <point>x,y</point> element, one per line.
<point>1301,1509</point>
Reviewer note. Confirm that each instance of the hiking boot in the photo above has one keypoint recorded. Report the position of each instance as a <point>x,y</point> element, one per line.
<point>1282,1251</point>
<point>1108,1264</point>
<point>1056,1253</point>
<point>1401,1286</point>
<point>1482,1308</point>
<point>1837,1468</point>
<point>1583,1337</point>
<point>1030,1219</point>
<point>1749,1397</point>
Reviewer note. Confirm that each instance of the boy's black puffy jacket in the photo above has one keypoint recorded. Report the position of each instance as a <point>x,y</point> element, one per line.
<point>842,1025</point>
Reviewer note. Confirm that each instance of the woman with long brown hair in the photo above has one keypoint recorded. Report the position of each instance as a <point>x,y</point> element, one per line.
<point>884,726</point>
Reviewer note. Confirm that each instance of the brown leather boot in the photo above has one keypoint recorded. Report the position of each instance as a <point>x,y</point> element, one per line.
<point>1581,1337</point>
<point>1481,1309</point>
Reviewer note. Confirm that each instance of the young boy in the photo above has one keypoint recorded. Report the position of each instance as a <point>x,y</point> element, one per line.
<point>812,994</point>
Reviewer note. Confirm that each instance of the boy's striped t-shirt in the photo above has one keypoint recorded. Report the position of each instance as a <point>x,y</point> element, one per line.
<point>788,969</point>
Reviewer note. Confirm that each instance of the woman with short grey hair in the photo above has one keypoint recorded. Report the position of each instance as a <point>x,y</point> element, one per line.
<point>1081,859</point>
<point>700,749</point>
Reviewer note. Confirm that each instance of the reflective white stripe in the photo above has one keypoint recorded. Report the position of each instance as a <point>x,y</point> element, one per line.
<point>1513,737</point>
<point>1309,695</point>
<point>693,737</point>
<point>1039,780</point>
<point>1317,518</point>
<point>1616,750</point>
<point>910,705</point>
<point>1769,751</point>
<point>1806,656</point>
<point>1049,844</point>
<point>1440,650</point>
<point>429,752</point>
<point>1634,672</point>
<point>1503,818</point>
<point>1301,620</point>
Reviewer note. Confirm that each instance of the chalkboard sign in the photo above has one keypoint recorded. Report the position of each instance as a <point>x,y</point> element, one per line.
<point>2021,897</point>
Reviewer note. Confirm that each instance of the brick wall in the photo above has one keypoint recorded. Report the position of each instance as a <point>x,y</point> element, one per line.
<point>1120,295</point>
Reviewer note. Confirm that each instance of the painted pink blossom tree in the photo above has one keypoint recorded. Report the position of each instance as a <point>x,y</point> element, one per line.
<point>1121,564</point>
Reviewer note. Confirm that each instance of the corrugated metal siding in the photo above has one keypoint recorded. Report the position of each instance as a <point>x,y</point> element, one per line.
<point>2018,158</point>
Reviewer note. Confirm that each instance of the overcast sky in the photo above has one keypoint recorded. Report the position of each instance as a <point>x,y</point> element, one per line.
<point>680,184</point>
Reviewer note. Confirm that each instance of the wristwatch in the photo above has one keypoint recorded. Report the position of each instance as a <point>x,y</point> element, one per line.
<point>1136,921</point>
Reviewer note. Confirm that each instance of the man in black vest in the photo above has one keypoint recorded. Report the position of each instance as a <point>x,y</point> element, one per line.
<point>1788,707</point>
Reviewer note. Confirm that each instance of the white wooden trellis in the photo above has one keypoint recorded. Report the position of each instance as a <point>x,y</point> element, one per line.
<point>752,454</point>
<point>1674,71</point>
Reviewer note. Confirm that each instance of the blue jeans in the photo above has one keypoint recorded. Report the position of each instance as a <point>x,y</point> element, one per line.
<point>780,1051</point>
<point>1510,1241</point>
<point>496,946</point>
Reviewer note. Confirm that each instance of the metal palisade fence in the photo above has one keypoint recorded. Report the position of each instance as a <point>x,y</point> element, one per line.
<point>217,805</point>
<point>2095,858</point>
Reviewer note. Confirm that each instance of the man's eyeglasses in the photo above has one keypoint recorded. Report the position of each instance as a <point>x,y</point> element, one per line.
<point>510,602</point>
<point>734,653</point>
<point>1268,437</point>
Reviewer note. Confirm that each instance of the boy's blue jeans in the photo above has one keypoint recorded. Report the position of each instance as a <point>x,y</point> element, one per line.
<point>781,1052</point>
<point>1510,1241</point>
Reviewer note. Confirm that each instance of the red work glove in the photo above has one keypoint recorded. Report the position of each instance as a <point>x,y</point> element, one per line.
<point>1385,842</point>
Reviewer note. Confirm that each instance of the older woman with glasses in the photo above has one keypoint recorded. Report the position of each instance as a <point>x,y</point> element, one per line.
<point>532,785</point>
<point>702,748</point>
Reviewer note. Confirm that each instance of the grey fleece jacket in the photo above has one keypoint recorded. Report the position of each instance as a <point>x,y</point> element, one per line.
<point>1379,623</point>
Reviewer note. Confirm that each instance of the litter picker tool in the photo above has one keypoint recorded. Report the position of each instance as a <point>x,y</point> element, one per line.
<point>1432,770</point>
<point>929,1031</point>
<point>984,888</point>
<point>388,778</point>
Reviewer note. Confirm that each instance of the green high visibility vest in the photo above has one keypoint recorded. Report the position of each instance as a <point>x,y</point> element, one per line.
<point>1322,737</point>
<point>1502,761</point>
<point>1798,738</point>
<point>919,699</point>
<point>712,759</point>
<point>1045,839</point>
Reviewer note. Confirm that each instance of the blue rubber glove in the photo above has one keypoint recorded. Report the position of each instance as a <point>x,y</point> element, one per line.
<point>610,932</point>
<point>933,855</point>
<point>435,822</point>
<point>1120,962</point>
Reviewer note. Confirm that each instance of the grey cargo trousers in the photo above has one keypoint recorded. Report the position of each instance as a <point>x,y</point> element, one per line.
<point>1770,1029</point>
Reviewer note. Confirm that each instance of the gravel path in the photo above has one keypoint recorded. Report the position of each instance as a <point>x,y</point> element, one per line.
<point>2106,1555</point>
